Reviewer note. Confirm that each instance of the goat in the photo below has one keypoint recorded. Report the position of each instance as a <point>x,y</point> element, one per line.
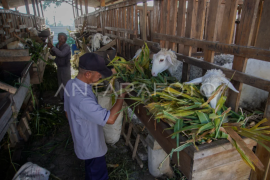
<point>252,97</point>
<point>95,43</point>
<point>15,45</point>
<point>210,82</point>
<point>105,40</point>
<point>33,32</point>
<point>166,59</point>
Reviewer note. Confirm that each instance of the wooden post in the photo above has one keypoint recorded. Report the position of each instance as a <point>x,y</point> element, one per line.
<point>188,34</point>
<point>73,9</point>
<point>144,20</point>
<point>102,3</point>
<point>244,37</point>
<point>76,8</point>
<point>27,6</point>
<point>211,32</point>
<point>37,8</point>
<point>41,7</point>
<point>5,4</point>
<point>34,8</point>
<point>86,6</point>
<point>81,7</point>
<point>263,41</point>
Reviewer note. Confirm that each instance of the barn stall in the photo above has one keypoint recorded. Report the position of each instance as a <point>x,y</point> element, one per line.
<point>193,29</point>
<point>20,67</point>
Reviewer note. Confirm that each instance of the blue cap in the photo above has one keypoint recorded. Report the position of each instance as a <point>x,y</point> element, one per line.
<point>94,62</point>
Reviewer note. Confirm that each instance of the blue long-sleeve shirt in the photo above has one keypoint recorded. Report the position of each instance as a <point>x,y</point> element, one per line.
<point>63,55</point>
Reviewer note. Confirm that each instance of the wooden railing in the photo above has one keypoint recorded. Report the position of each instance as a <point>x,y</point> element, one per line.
<point>240,28</point>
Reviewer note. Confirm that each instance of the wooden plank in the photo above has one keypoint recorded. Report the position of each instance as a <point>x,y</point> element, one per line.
<point>228,22</point>
<point>245,51</point>
<point>211,32</point>
<point>136,146</point>
<point>161,137</point>
<point>188,34</point>
<point>24,129</point>
<point>129,133</point>
<point>15,59</point>
<point>233,171</point>
<point>107,46</point>
<point>248,17</point>
<point>257,24</point>
<point>34,7</point>
<point>172,22</point>
<point>144,21</point>
<point>181,23</point>
<point>13,52</point>
<point>163,13</point>
<point>120,30</point>
<point>8,88</point>
<point>217,159</point>
<point>238,76</point>
<point>5,4</point>
<point>137,157</point>
<point>263,39</point>
<point>86,6</point>
<point>200,19</point>
<point>156,17</point>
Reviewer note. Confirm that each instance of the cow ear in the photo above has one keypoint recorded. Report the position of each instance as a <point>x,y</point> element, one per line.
<point>169,59</point>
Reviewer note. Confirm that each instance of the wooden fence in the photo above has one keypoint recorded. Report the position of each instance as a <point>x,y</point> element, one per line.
<point>12,22</point>
<point>195,27</point>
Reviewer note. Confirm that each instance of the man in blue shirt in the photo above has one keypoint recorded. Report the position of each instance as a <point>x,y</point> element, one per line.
<point>87,118</point>
<point>62,60</point>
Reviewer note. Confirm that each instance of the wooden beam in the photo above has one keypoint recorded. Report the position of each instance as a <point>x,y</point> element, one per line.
<point>86,6</point>
<point>102,3</point>
<point>27,6</point>
<point>228,23</point>
<point>244,51</point>
<point>120,30</point>
<point>263,41</point>
<point>107,46</point>
<point>76,8</point>
<point>41,7</point>
<point>260,83</point>
<point>81,7</point>
<point>37,8</point>
<point>34,7</point>
<point>248,17</point>
<point>8,88</point>
<point>148,8</point>
<point>188,34</point>
<point>144,18</point>
<point>15,59</point>
<point>73,9</point>
<point>5,4</point>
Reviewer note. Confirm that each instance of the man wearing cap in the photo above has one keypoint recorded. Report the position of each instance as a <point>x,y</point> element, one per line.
<point>87,118</point>
<point>62,60</point>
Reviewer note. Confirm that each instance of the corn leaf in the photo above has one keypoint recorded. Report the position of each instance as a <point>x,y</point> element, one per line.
<point>204,119</point>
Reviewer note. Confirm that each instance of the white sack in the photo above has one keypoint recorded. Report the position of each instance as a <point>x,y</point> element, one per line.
<point>112,132</point>
<point>30,171</point>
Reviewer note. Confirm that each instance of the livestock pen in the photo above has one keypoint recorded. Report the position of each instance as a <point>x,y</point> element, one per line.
<point>194,28</point>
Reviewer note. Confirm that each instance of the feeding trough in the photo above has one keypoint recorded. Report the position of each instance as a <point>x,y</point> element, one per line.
<point>15,83</point>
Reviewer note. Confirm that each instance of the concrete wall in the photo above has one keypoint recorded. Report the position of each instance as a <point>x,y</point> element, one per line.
<point>59,29</point>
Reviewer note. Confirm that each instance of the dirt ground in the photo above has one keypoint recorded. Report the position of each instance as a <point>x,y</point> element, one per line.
<point>55,152</point>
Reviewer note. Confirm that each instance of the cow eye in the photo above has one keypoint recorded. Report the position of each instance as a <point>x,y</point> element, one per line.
<point>161,60</point>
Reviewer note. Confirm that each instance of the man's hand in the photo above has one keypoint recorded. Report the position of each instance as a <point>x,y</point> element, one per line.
<point>50,45</point>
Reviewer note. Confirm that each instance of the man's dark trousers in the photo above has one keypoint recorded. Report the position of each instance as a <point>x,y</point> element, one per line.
<point>96,169</point>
